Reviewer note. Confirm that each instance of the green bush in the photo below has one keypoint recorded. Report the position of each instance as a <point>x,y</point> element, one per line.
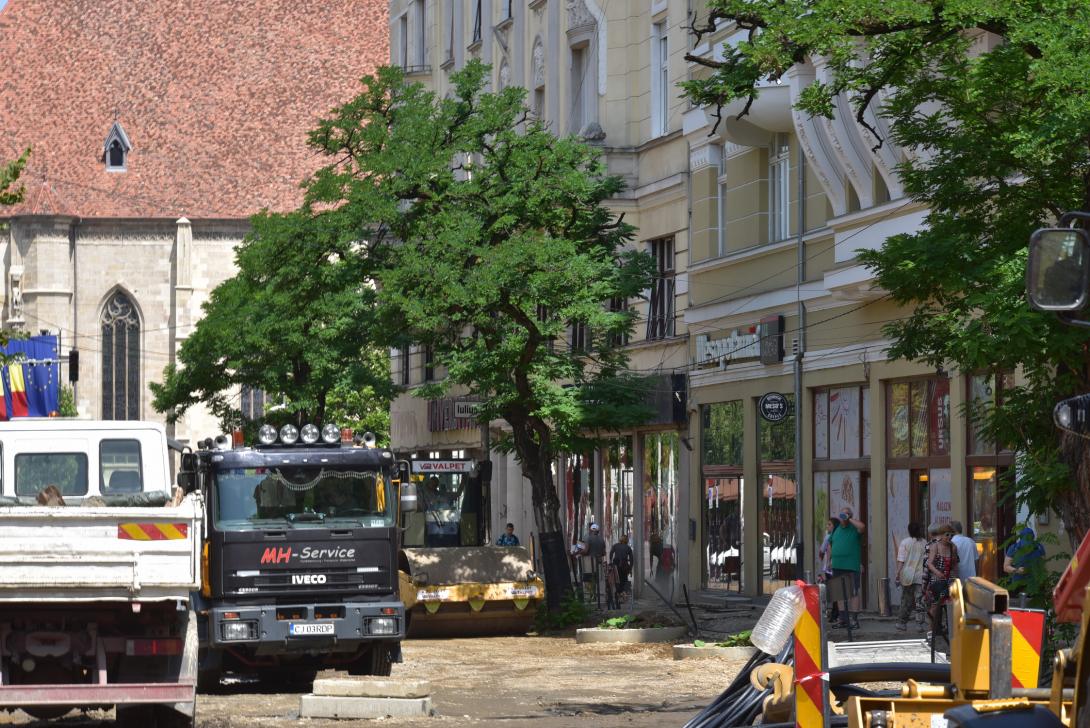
<point>572,613</point>
<point>623,622</point>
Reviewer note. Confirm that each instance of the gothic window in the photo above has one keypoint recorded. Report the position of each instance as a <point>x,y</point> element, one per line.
<point>120,359</point>
<point>116,148</point>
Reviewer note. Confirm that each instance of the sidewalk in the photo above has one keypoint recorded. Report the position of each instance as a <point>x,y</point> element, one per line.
<point>718,615</point>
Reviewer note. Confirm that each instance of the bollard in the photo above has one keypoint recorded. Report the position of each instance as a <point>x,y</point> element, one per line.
<point>884,609</point>
<point>812,661</point>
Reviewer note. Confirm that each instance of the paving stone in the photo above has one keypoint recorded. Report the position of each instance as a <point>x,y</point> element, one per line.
<point>328,706</point>
<point>370,687</point>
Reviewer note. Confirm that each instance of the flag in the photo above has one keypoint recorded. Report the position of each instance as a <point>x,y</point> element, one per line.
<point>19,405</point>
<point>31,387</point>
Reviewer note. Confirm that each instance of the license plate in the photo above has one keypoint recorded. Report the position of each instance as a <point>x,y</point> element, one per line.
<point>305,629</point>
<point>517,592</point>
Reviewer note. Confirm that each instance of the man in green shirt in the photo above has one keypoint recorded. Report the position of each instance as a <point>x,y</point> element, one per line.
<point>847,559</point>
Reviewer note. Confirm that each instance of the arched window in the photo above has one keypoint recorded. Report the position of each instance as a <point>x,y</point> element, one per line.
<point>117,155</point>
<point>120,359</point>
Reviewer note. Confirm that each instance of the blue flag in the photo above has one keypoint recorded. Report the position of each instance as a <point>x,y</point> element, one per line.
<point>38,372</point>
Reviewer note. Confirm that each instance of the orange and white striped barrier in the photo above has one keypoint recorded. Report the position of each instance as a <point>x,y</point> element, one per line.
<point>811,661</point>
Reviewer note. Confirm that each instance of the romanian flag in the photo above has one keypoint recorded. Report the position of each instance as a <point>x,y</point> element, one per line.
<point>19,405</point>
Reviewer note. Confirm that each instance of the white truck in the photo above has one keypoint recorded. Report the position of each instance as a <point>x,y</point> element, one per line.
<point>98,557</point>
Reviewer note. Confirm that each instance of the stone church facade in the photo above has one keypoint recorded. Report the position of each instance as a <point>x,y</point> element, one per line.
<point>156,131</point>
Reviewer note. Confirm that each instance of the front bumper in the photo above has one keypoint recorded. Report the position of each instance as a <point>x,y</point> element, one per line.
<point>286,628</point>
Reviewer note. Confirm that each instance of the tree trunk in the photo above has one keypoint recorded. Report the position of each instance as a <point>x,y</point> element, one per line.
<point>536,461</point>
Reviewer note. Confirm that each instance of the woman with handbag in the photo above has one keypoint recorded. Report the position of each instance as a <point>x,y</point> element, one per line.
<point>939,563</point>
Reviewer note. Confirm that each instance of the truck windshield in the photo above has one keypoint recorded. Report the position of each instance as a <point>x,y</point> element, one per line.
<point>442,500</point>
<point>303,495</point>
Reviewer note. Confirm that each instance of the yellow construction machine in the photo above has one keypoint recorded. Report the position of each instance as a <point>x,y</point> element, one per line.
<point>453,582</point>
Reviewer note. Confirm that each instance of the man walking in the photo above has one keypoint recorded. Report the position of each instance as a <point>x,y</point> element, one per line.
<point>966,552</point>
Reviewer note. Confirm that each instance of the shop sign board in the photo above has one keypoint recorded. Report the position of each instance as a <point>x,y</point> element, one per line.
<point>465,409</point>
<point>774,407</point>
<point>763,342</point>
<point>442,466</point>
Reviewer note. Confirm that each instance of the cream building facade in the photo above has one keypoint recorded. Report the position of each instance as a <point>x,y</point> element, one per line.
<point>779,303</point>
<point>606,71</point>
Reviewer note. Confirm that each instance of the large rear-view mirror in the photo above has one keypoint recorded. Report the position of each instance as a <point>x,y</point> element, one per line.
<point>1058,271</point>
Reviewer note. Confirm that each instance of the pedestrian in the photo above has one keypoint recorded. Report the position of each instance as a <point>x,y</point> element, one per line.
<point>846,559</point>
<point>910,555</point>
<point>1021,558</point>
<point>508,538</point>
<point>940,564</point>
<point>620,556</point>
<point>966,552</point>
<point>594,549</point>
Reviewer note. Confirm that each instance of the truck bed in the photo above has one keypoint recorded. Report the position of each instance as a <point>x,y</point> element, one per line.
<point>77,554</point>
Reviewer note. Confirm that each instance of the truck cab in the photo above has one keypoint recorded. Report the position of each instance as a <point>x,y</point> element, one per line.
<point>300,561</point>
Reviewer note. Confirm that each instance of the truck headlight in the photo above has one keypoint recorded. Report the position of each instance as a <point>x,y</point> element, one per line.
<point>382,625</point>
<point>238,631</point>
<point>266,434</point>
<point>309,434</point>
<point>289,433</point>
<point>331,434</point>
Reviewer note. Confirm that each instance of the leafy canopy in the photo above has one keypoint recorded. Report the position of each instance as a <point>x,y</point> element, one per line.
<point>495,239</point>
<point>988,100</point>
<point>297,320</point>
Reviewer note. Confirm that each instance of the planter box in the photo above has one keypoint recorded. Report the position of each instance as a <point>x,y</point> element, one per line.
<point>651,634</point>
<point>692,652</point>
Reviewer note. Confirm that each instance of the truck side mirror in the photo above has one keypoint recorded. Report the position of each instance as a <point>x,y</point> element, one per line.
<point>1058,270</point>
<point>187,472</point>
<point>409,501</point>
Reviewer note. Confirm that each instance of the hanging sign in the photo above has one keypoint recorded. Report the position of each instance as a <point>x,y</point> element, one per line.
<point>774,407</point>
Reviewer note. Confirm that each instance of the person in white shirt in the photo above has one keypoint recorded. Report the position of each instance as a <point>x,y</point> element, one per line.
<point>966,552</point>
<point>910,554</point>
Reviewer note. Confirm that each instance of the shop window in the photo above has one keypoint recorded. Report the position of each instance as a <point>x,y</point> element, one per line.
<point>722,434</point>
<point>841,423</point>
<point>722,438</point>
<point>918,424</point>
<point>662,532</point>
<point>992,510</point>
<point>617,492</point>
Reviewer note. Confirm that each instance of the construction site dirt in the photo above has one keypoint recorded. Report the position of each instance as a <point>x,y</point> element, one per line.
<point>547,681</point>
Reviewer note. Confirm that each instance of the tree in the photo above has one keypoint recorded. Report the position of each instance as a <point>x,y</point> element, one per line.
<point>998,134</point>
<point>297,321</point>
<point>495,239</point>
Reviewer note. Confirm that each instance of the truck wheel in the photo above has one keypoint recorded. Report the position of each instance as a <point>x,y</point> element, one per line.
<point>377,661</point>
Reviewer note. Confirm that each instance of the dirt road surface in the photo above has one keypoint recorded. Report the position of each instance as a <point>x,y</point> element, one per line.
<point>541,681</point>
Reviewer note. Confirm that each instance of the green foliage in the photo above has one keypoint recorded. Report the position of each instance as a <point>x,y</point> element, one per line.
<point>493,237</point>
<point>738,639</point>
<point>9,176</point>
<point>998,135</point>
<point>623,622</point>
<point>572,613</point>
<point>66,406</point>
<point>298,321</point>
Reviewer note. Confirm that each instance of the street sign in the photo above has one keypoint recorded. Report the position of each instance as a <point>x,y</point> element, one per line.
<point>774,407</point>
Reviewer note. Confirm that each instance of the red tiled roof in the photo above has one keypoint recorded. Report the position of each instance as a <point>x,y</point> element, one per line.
<point>216,96</point>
